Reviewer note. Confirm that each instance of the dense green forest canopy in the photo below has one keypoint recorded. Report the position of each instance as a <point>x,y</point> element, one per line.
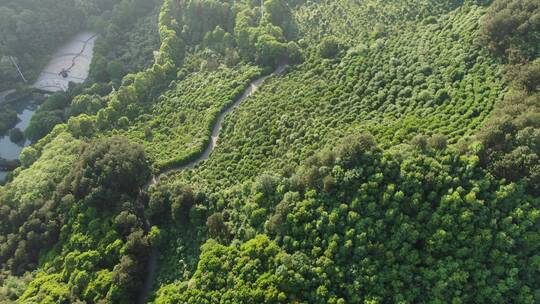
<point>395,158</point>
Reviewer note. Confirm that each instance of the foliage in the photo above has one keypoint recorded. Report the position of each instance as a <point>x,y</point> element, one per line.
<point>129,35</point>
<point>16,135</point>
<point>509,140</point>
<point>170,204</point>
<point>512,28</point>
<point>402,168</point>
<point>412,83</point>
<point>27,223</point>
<point>394,227</point>
<point>177,127</point>
<point>112,164</point>
<point>8,118</point>
<point>329,47</point>
<point>91,215</point>
<point>13,287</point>
<point>224,269</point>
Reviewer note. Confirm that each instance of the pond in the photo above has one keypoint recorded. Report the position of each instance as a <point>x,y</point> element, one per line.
<point>8,149</point>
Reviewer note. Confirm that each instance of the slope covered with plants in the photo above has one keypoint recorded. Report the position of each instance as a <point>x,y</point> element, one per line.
<point>395,159</point>
<point>359,225</point>
<point>428,80</point>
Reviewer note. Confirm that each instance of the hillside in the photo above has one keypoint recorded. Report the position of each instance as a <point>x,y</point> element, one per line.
<point>370,152</point>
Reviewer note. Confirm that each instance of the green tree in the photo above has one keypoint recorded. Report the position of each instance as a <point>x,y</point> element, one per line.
<point>216,226</point>
<point>329,47</point>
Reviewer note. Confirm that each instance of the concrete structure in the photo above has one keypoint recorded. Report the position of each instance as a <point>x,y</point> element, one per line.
<point>74,58</point>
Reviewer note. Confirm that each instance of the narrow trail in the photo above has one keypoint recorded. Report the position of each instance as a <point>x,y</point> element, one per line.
<point>154,253</point>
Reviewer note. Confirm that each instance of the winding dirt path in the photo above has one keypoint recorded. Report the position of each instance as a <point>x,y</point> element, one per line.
<point>154,254</point>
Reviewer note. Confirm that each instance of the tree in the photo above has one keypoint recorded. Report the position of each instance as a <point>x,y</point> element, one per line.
<point>42,123</point>
<point>420,141</point>
<point>159,204</point>
<point>126,222</point>
<point>182,200</point>
<point>85,103</point>
<point>98,70</point>
<point>82,126</point>
<point>437,142</point>
<point>329,47</point>
<point>28,156</point>
<point>123,274</point>
<point>216,226</point>
<point>110,164</point>
<point>265,184</point>
<point>155,237</point>
<point>173,47</point>
<point>115,70</point>
<point>57,101</point>
<point>351,148</point>
<point>270,51</point>
<point>528,77</point>
<point>8,119</point>
<point>294,52</point>
<point>509,26</point>
<point>16,135</point>
<point>278,13</point>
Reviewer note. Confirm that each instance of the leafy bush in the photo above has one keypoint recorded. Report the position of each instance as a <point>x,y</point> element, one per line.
<point>329,47</point>
<point>392,227</point>
<point>16,135</point>
<point>8,119</point>
<point>511,28</point>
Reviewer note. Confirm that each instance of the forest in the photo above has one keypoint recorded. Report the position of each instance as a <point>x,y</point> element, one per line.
<point>277,151</point>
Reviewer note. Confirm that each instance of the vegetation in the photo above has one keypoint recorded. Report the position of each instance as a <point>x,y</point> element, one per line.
<point>58,107</point>
<point>509,139</point>
<point>356,224</point>
<point>511,28</point>
<point>129,35</point>
<point>424,90</point>
<point>171,136</point>
<point>8,118</point>
<point>16,135</point>
<point>395,158</point>
<point>98,224</point>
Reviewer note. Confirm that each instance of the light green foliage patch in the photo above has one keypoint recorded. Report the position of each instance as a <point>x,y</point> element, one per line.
<point>177,127</point>
<point>39,180</point>
<point>427,79</point>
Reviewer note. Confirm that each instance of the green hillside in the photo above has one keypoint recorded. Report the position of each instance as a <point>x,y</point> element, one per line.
<point>430,79</point>
<point>388,152</point>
